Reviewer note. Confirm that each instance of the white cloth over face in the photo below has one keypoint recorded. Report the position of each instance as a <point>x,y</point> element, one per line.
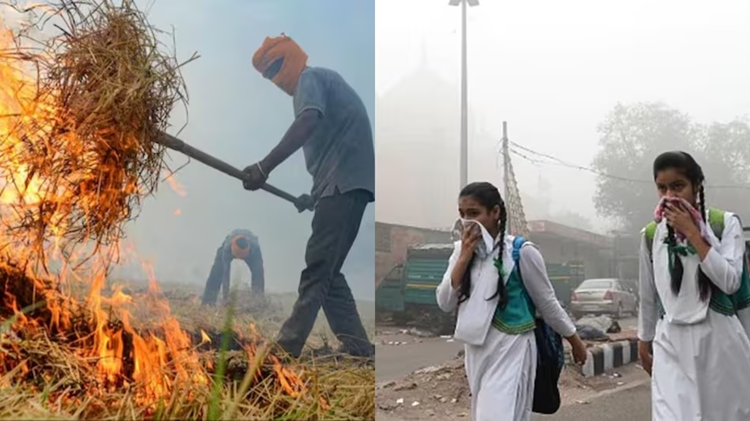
<point>701,361</point>
<point>501,368</point>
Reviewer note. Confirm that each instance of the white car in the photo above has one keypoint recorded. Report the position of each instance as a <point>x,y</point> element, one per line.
<point>603,296</point>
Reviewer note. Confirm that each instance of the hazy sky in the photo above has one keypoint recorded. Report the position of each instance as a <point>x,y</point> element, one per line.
<point>238,116</point>
<point>554,69</point>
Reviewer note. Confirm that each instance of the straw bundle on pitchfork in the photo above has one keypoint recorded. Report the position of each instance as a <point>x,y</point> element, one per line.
<point>84,141</point>
<point>81,132</point>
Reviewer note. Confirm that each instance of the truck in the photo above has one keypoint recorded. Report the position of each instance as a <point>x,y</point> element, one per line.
<point>407,293</point>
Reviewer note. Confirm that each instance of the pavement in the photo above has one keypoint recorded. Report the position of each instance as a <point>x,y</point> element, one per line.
<point>412,353</point>
<point>628,403</point>
<point>626,400</point>
<point>444,394</point>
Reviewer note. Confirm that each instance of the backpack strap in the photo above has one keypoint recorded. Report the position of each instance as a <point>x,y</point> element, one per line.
<point>650,232</point>
<point>716,221</point>
<point>518,242</point>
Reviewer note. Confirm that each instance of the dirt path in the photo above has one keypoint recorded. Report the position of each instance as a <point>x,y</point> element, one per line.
<point>441,393</point>
<point>399,354</point>
<point>437,388</point>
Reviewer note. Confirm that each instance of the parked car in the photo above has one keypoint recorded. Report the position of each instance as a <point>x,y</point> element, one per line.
<point>603,296</point>
<point>631,285</point>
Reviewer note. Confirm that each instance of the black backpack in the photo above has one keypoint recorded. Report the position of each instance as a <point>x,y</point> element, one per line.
<point>550,356</point>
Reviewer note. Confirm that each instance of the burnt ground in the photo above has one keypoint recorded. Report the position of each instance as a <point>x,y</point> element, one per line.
<point>265,315</point>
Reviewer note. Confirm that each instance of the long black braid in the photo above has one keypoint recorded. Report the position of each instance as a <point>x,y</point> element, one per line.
<point>682,161</point>
<point>488,196</point>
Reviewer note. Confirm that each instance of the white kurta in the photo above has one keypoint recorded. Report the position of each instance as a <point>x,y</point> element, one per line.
<point>501,368</point>
<point>701,361</point>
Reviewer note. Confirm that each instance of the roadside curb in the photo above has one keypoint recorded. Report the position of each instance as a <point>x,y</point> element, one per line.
<point>605,357</point>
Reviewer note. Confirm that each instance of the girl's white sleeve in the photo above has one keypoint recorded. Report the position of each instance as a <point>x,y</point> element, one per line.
<point>447,296</point>
<point>647,312</point>
<point>724,266</point>
<point>539,287</point>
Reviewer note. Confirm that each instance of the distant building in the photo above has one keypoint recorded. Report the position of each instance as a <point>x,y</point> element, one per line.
<point>392,241</point>
<point>561,243</point>
<point>418,130</point>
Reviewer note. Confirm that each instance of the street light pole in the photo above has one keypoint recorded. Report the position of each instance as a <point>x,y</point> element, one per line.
<point>464,172</point>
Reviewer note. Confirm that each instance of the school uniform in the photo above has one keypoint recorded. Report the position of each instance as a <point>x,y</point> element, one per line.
<point>701,352</point>
<point>500,346</point>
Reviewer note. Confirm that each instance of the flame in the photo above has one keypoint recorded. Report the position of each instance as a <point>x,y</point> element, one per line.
<point>176,186</point>
<point>153,360</point>
<point>20,190</point>
<point>204,338</point>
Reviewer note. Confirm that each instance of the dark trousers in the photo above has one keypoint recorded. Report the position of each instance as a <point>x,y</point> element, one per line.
<point>334,228</point>
<point>215,278</point>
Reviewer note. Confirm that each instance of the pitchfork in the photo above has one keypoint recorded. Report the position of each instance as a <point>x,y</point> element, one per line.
<point>302,203</point>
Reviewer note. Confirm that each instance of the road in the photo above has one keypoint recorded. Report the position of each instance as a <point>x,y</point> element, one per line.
<point>399,354</point>
<point>631,403</point>
<point>396,361</point>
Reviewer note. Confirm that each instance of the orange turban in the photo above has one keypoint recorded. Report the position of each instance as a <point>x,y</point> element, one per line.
<point>295,61</point>
<point>240,252</point>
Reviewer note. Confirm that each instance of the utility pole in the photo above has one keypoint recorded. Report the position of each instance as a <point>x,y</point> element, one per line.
<point>506,163</point>
<point>464,172</point>
<point>517,224</point>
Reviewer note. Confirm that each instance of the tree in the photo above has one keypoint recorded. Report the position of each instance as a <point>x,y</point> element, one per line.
<point>631,137</point>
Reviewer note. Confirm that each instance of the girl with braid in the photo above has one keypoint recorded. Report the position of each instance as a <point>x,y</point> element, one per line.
<point>497,304</point>
<point>692,291</point>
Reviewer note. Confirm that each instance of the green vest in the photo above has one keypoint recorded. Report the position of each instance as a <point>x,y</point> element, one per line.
<point>518,316</point>
<point>720,302</point>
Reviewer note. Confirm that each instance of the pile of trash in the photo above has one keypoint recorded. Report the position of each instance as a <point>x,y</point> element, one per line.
<point>596,328</point>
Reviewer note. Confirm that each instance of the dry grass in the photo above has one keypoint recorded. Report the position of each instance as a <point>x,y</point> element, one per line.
<point>349,388</point>
<point>60,383</point>
<point>85,89</point>
<point>91,87</point>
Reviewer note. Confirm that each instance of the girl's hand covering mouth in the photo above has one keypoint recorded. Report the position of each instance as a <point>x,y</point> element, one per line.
<point>470,238</point>
<point>680,219</point>
<point>681,216</point>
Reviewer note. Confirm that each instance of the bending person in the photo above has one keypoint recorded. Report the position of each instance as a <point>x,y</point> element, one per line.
<point>239,244</point>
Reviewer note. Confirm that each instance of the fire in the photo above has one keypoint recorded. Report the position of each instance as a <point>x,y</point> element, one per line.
<point>152,361</point>
<point>23,189</point>
<point>176,186</point>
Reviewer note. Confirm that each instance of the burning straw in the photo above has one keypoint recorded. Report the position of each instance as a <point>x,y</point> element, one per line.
<point>84,89</point>
<point>77,146</point>
<point>138,376</point>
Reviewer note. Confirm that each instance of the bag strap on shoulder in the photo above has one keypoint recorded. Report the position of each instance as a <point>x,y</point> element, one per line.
<point>650,232</point>
<point>518,242</point>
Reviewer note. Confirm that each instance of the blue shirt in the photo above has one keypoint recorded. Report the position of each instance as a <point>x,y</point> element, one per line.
<point>340,155</point>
